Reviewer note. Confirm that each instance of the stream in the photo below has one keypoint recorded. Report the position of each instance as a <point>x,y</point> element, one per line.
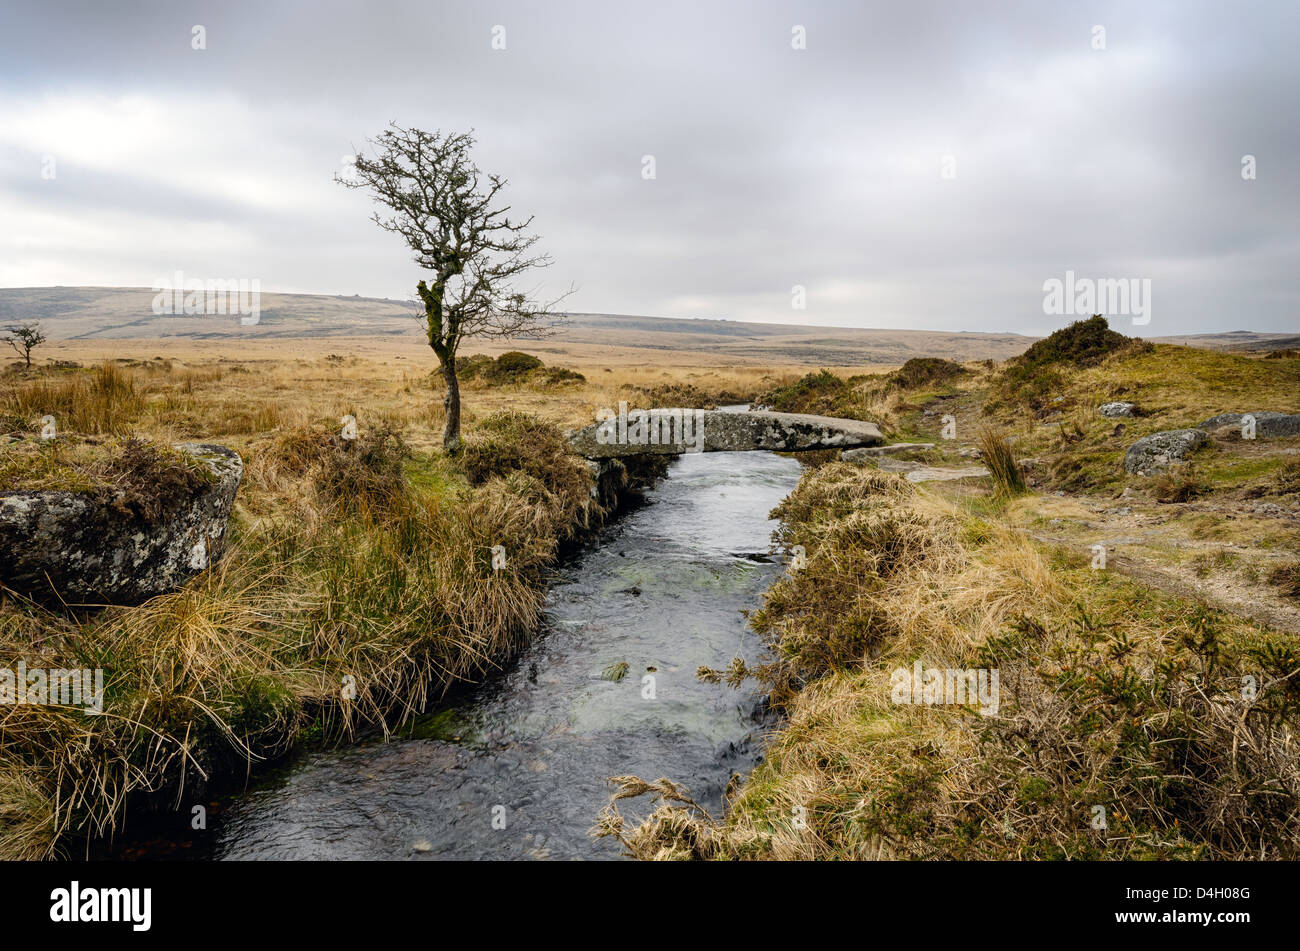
<point>517,768</point>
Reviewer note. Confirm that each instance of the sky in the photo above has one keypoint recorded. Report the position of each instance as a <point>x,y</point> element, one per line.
<point>920,165</point>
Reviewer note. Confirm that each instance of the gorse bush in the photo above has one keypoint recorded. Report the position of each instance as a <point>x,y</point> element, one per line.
<point>513,366</point>
<point>345,473</point>
<point>1037,374</point>
<point>923,371</point>
<point>1083,343</point>
<point>816,393</point>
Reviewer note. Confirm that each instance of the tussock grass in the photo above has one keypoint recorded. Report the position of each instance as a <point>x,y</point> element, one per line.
<point>1287,578</point>
<point>1179,484</point>
<point>996,453</point>
<point>350,564</point>
<point>102,401</point>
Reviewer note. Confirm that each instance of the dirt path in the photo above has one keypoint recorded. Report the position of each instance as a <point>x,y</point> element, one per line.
<point>1260,605</point>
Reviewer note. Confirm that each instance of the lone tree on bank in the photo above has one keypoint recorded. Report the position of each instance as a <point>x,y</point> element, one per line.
<point>450,214</point>
<point>24,338</point>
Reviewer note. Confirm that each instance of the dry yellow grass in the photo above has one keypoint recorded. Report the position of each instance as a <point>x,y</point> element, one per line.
<point>1112,697</point>
<point>372,563</point>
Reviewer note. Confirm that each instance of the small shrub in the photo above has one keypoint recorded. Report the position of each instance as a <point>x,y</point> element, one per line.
<point>558,376</point>
<point>922,371</point>
<point>513,366</point>
<point>1032,376</point>
<point>508,443</point>
<point>813,393</point>
<point>367,472</point>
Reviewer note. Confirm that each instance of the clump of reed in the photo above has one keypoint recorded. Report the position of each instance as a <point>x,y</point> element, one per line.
<point>105,400</point>
<point>996,453</point>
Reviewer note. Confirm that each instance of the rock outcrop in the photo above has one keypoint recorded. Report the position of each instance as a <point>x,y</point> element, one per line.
<point>1268,424</point>
<point>70,547</point>
<point>676,431</point>
<point>875,452</point>
<point>1118,409</point>
<point>1161,450</point>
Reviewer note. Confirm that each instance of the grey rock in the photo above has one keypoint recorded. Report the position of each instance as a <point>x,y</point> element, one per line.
<point>66,546</point>
<point>1271,509</point>
<point>945,474</point>
<point>1268,424</point>
<point>849,455</point>
<point>1161,450</point>
<point>676,431</point>
<point>1117,409</point>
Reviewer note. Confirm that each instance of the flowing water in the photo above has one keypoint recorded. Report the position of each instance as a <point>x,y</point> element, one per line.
<point>518,768</point>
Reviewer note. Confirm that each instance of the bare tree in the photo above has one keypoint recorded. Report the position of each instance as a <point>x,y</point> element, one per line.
<point>24,338</point>
<point>450,215</point>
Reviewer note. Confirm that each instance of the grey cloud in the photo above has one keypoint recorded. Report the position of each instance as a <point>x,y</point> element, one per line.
<point>775,167</point>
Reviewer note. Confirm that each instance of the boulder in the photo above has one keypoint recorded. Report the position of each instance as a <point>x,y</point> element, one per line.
<point>875,452</point>
<point>1268,425</point>
<point>1160,450</point>
<point>68,546</point>
<point>676,431</point>
<point>1117,409</point>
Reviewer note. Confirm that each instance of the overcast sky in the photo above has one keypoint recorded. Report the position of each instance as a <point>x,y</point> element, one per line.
<point>821,167</point>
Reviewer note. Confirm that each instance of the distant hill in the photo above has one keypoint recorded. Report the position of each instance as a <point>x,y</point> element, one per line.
<point>1236,340</point>
<point>108,313</point>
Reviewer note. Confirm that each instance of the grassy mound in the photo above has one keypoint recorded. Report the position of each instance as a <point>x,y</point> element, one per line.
<point>1036,375</point>
<point>1175,388</point>
<point>819,393</point>
<point>925,371</point>
<point>512,368</point>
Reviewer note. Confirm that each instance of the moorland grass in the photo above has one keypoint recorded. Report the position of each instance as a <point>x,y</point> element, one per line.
<point>1115,702</point>
<point>357,588</point>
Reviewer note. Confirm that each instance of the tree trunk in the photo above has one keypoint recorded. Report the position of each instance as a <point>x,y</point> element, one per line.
<point>451,403</point>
